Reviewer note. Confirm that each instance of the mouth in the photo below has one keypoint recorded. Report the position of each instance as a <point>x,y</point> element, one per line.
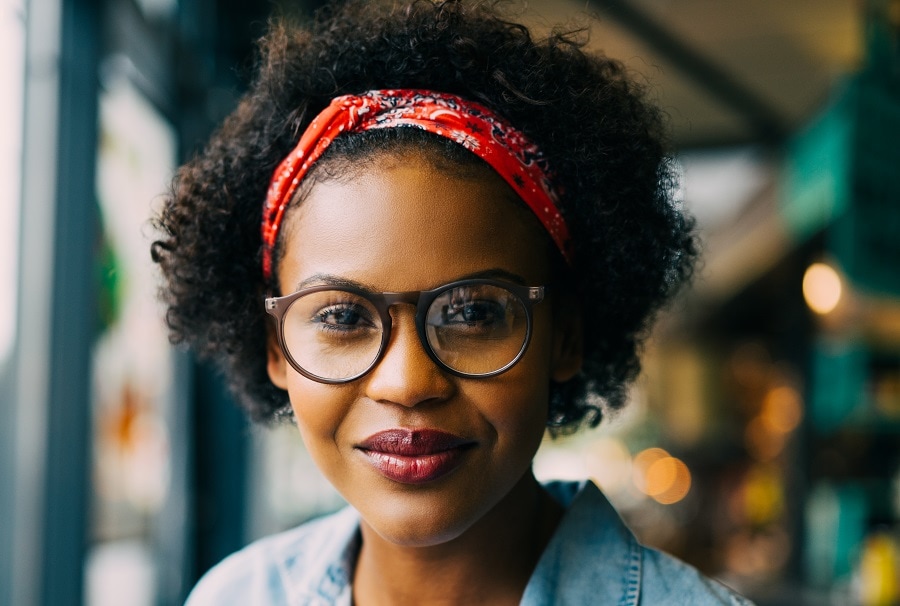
<point>415,456</point>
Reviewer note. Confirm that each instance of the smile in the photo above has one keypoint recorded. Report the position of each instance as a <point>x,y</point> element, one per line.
<point>415,456</point>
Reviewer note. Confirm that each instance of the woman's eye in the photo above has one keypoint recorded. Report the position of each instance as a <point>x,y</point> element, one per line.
<point>473,312</point>
<point>343,317</point>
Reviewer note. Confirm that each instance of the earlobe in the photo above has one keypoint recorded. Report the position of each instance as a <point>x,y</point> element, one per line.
<point>568,341</point>
<point>276,362</point>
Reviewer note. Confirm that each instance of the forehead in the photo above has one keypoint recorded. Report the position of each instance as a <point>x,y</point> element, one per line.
<point>404,222</point>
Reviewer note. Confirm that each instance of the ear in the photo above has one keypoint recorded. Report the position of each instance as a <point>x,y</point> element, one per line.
<point>568,339</point>
<point>276,362</point>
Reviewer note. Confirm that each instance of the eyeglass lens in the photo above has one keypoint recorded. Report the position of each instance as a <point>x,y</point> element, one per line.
<point>472,329</point>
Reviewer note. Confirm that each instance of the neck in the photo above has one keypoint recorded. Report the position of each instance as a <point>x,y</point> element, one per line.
<point>489,563</point>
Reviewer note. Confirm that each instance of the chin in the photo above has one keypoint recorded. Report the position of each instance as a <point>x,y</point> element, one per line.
<point>418,524</point>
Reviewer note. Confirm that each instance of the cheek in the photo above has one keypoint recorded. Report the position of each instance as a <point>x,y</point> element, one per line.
<point>319,410</point>
<point>517,402</point>
<point>519,399</point>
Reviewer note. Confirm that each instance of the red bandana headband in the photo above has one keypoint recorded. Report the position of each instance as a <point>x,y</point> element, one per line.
<point>506,149</point>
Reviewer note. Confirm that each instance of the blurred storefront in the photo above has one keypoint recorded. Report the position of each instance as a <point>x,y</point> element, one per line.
<point>123,475</point>
<point>762,442</point>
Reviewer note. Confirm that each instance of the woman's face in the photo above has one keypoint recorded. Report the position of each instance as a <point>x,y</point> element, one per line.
<point>404,225</point>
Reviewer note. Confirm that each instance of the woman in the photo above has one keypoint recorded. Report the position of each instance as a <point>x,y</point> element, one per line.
<point>426,237</point>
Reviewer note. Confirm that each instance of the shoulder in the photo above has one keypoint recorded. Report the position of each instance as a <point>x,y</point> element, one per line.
<point>593,552</point>
<point>280,569</point>
<point>666,578</point>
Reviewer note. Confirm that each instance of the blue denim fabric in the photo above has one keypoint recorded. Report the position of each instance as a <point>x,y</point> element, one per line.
<point>592,559</point>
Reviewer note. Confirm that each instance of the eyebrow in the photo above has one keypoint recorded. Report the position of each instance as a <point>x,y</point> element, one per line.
<point>334,280</point>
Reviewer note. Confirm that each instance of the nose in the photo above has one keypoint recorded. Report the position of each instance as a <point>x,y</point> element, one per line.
<point>405,374</point>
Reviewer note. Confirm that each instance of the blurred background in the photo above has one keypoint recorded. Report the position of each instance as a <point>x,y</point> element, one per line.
<point>762,442</point>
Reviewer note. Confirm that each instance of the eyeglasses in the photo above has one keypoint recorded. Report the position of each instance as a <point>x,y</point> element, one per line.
<point>470,328</point>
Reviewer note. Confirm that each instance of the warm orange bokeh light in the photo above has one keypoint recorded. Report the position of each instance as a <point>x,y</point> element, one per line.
<point>780,413</point>
<point>821,288</point>
<point>661,476</point>
<point>642,462</point>
<point>668,480</point>
<point>782,409</point>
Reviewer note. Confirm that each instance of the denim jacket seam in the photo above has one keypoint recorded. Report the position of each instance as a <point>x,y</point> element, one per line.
<point>632,574</point>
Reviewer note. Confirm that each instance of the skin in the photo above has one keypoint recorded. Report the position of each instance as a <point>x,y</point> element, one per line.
<point>404,223</point>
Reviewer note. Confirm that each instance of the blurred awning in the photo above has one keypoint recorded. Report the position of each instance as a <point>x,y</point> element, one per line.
<point>728,72</point>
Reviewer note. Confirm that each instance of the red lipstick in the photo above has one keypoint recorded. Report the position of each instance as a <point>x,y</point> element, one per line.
<point>414,456</point>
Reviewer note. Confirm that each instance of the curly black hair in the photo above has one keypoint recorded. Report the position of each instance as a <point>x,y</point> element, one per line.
<point>633,245</point>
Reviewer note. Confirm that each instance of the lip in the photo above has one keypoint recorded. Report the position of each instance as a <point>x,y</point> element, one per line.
<point>415,456</point>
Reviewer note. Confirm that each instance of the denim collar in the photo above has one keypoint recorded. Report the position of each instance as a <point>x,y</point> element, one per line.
<point>592,557</point>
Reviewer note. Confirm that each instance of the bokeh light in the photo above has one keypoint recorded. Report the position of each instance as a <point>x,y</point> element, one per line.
<point>664,478</point>
<point>642,462</point>
<point>821,288</point>
<point>782,409</point>
<point>668,480</point>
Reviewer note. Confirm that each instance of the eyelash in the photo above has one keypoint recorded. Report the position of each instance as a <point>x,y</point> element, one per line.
<point>323,314</point>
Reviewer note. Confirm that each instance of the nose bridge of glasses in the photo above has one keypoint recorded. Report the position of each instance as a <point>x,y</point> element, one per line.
<point>393,298</point>
<point>393,305</point>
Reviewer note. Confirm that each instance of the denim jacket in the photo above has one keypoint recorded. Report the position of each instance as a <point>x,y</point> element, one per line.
<point>592,558</point>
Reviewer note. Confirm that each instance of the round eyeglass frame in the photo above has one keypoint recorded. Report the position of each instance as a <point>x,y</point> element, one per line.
<point>277,307</point>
